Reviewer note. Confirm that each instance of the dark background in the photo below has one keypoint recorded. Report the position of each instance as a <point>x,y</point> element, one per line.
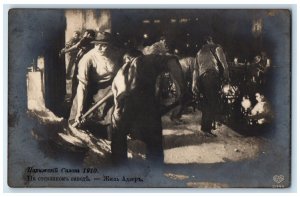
<point>42,32</point>
<point>230,28</point>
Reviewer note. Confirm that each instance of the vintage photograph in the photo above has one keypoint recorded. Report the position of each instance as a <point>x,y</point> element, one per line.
<point>149,98</point>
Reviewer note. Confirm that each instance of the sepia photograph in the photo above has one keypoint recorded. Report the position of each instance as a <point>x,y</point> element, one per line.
<point>149,98</point>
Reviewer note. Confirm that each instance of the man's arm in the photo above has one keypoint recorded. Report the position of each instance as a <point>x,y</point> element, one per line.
<point>70,43</point>
<point>195,75</point>
<point>72,48</point>
<point>258,113</point>
<point>82,76</point>
<point>221,56</point>
<point>194,82</point>
<point>81,95</point>
<point>76,46</point>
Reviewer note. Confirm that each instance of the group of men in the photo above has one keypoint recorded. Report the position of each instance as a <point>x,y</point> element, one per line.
<point>97,63</point>
<point>94,72</point>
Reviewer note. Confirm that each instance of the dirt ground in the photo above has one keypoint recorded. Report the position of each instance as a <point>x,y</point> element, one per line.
<point>190,158</point>
<point>186,143</point>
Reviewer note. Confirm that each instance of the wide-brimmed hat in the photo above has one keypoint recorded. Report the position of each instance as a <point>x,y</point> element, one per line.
<point>103,37</point>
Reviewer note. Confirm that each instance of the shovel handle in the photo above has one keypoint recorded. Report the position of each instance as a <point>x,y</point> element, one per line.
<point>94,107</point>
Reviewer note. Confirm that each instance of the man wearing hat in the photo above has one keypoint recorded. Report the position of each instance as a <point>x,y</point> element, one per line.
<point>96,71</point>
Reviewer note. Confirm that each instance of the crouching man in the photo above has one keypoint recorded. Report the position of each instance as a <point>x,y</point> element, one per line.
<point>261,113</point>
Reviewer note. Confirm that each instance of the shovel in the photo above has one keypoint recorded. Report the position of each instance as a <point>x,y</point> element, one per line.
<point>94,107</point>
